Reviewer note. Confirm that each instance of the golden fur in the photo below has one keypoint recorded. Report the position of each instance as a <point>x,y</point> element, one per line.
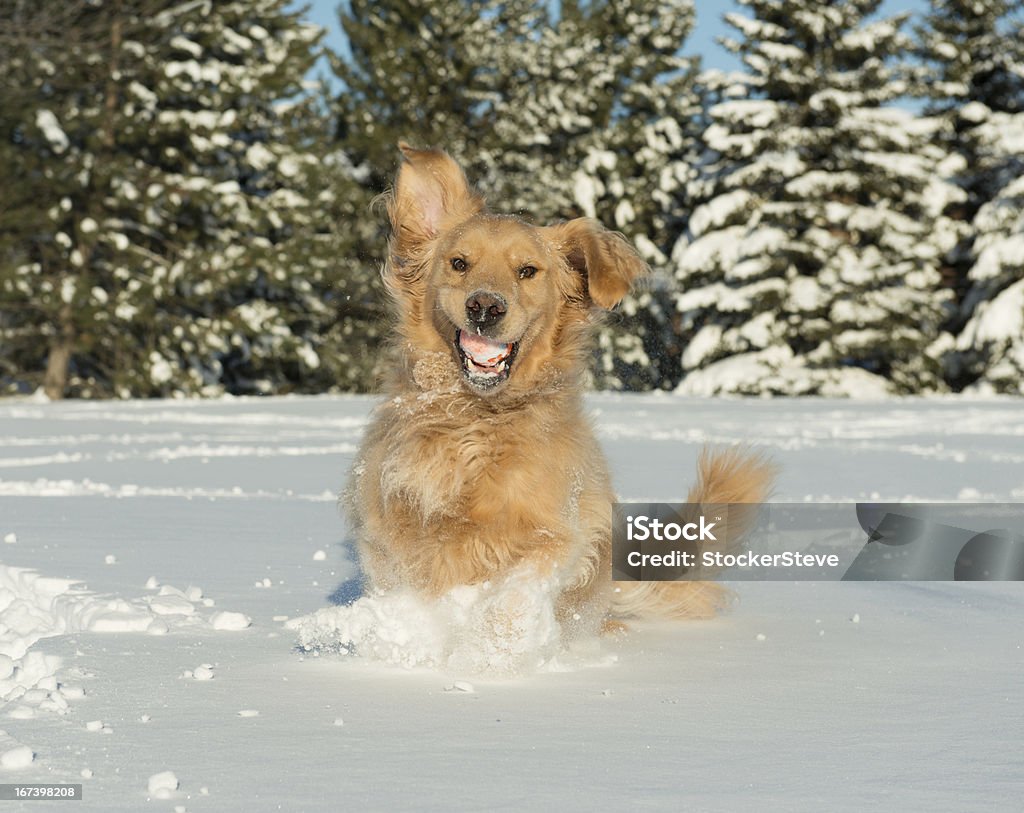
<point>459,482</point>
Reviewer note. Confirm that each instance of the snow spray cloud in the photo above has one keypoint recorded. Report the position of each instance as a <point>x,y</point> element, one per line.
<point>818,542</point>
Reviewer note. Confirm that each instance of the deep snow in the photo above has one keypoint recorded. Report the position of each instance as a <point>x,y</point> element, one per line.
<point>168,543</point>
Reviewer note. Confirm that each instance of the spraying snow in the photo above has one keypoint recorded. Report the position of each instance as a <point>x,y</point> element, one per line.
<point>505,628</point>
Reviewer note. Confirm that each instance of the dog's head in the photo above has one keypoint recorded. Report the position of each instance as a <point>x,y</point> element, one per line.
<point>505,300</point>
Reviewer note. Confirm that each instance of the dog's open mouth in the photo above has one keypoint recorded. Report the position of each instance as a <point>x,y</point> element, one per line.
<point>485,363</point>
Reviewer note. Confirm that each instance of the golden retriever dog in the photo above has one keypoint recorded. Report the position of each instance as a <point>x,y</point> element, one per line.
<point>480,462</point>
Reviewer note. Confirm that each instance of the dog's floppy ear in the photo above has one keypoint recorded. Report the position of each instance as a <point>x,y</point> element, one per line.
<point>429,191</point>
<point>607,262</point>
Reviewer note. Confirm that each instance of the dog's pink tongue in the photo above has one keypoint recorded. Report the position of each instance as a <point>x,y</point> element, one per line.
<point>481,349</point>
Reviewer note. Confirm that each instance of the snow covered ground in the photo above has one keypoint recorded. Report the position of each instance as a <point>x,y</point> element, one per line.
<point>152,553</point>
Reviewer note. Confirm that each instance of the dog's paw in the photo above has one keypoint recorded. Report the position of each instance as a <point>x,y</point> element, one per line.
<point>510,628</point>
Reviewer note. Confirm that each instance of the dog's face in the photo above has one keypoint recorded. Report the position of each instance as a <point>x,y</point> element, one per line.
<point>505,300</point>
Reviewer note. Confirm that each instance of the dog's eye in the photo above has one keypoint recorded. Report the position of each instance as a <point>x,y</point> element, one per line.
<point>459,264</point>
<point>527,271</point>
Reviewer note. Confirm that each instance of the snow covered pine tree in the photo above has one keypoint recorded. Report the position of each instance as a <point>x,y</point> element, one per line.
<point>973,51</point>
<point>989,351</point>
<point>181,253</point>
<point>811,267</point>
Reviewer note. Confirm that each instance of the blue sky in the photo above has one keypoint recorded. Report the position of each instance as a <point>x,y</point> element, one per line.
<point>703,40</point>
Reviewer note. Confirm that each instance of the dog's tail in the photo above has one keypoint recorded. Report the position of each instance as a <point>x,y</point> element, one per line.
<point>734,477</point>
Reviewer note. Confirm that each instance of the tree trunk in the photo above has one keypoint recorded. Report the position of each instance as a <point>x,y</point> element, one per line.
<point>57,365</point>
<point>56,380</point>
<point>111,94</point>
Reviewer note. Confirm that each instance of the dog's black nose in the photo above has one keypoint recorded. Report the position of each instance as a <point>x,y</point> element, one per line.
<point>484,308</point>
